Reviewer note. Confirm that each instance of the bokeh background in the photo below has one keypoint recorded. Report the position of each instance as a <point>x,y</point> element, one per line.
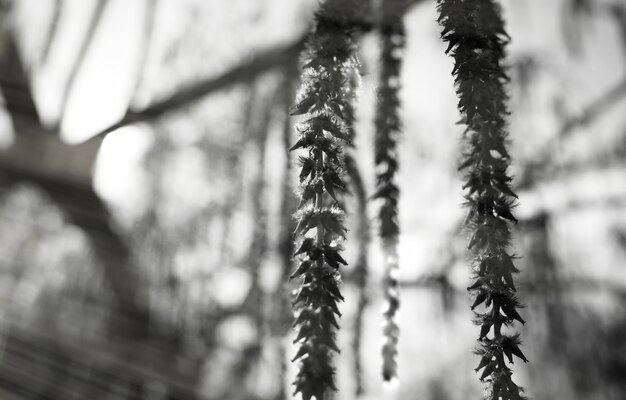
<point>146,193</point>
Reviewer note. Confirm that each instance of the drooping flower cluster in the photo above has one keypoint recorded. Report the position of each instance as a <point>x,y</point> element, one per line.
<point>476,38</point>
<point>392,38</point>
<point>323,134</point>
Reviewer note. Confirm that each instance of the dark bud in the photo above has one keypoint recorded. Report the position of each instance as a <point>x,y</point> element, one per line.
<point>486,359</point>
<point>306,246</point>
<point>482,296</point>
<point>517,352</point>
<point>302,269</point>
<point>303,106</point>
<point>478,283</point>
<point>488,370</point>
<point>512,313</point>
<point>484,330</point>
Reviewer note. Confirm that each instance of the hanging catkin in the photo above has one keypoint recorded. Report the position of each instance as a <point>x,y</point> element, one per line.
<point>323,134</point>
<point>476,38</point>
<point>388,127</point>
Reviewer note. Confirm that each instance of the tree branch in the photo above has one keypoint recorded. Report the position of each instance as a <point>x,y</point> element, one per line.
<point>593,110</point>
<point>536,168</point>
<point>245,72</point>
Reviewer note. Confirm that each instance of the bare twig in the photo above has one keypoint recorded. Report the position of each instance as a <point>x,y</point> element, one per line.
<point>244,73</point>
<point>148,29</point>
<point>537,166</point>
<point>595,109</point>
<point>94,22</point>
<point>52,31</point>
<point>360,270</point>
<point>259,110</point>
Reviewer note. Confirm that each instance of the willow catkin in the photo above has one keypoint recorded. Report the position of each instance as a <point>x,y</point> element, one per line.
<point>386,158</point>
<point>323,134</point>
<point>476,38</point>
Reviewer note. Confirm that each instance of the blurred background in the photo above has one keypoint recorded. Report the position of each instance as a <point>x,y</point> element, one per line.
<point>146,195</point>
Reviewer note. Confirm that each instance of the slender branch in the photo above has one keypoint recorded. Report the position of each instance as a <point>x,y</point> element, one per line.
<point>94,23</point>
<point>148,30</point>
<point>246,72</point>
<point>52,30</point>
<point>360,269</point>
<point>592,111</point>
<point>260,110</point>
<point>595,109</point>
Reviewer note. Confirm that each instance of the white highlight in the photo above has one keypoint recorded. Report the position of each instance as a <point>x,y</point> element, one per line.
<point>118,174</point>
